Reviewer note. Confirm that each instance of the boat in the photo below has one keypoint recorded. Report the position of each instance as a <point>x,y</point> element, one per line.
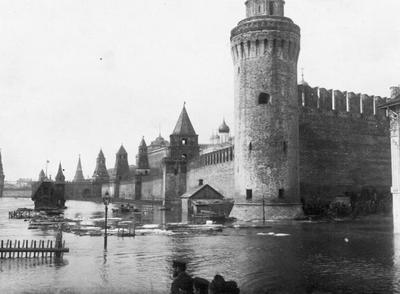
<point>125,209</point>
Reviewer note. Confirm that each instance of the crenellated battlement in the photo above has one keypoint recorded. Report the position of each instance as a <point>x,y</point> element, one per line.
<point>215,157</point>
<point>264,45</point>
<point>340,101</point>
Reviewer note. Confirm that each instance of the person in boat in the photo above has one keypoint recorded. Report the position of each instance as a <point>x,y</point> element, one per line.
<point>183,282</point>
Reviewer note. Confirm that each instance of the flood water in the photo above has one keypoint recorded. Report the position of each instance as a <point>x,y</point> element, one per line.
<point>357,257</point>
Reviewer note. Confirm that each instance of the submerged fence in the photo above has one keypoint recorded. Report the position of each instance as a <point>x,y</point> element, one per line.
<point>33,249</point>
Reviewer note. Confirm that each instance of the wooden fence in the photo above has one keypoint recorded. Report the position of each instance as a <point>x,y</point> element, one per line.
<point>35,249</point>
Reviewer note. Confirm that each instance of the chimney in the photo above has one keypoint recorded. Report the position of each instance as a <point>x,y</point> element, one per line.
<point>200,182</point>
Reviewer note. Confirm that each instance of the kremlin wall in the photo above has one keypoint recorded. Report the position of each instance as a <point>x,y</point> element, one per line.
<point>291,143</point>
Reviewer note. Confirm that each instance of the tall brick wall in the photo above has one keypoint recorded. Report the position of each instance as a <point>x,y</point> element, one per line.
<point>344,143</point>
<point>152,188</point>
<point>127,190</point>
<point>79,190</point>
<point>216,169</point>
<point>155,159</point>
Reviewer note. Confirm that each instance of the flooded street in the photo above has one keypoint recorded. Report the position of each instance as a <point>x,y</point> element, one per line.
<point>359,257</point>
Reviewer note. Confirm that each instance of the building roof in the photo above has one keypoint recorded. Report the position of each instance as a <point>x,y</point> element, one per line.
<point>184,125</point>
<point>1,166</point>
<point>193,192</point>
<point>42,175</point>
<point>143,143</point>
<point>100,172</point>
<point>122,150</point>
<point>60,175</point>
<point>79,174</point>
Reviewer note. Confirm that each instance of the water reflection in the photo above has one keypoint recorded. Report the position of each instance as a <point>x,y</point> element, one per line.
<point>396,263</point>
<point>360,257</point>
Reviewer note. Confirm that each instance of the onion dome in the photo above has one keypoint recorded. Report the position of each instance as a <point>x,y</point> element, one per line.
<point>223,128</point>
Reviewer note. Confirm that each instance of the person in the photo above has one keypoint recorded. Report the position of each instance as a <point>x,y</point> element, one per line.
<point>219,286</point>
<point>183,282</point>
<point>200,286</point>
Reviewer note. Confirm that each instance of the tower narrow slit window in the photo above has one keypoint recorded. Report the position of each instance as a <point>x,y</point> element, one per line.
<point>285,147</point>
<point>281,194</point>
<point>263,98</point>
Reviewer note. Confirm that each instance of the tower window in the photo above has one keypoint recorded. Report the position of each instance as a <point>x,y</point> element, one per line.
<point>250,146</point>
<point>281,194</point>
<point>259,9</point>
<point>263,98</point>
<point>285,147</point>
<point>249,194</point>
<point>184,141</point>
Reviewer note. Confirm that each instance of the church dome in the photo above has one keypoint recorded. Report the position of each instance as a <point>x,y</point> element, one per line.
<point>159,141</point>
<point>223,128</point>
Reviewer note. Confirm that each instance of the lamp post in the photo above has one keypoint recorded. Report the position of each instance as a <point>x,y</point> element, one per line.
<point>263,208</point>
<point>106,201</point>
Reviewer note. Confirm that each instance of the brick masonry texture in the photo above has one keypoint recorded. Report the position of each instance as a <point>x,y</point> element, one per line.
<point>345,149</point>
<point>265,53</point>
<point>220,176</point>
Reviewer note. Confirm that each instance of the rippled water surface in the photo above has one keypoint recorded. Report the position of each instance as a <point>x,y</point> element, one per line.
<point>358,257</point>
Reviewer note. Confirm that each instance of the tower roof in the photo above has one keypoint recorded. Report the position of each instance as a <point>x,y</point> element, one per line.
<point>143,143</point>
<point>184,125</point>
<point>42,175</point>
<point>60,175</point>
<point>1,166</point>
<point>223,128</point>
<point>122,150</point>
<point>79,174</point>
<point>100,173</point>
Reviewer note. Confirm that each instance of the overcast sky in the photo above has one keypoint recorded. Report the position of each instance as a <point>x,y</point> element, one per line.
<point>80,75</point>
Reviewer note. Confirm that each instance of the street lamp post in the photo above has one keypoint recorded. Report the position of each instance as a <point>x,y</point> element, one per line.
<point>263,208</point>
<point>106,201</point>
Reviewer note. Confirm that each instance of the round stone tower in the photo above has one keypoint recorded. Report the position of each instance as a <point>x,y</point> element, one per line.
<point>265,49</point>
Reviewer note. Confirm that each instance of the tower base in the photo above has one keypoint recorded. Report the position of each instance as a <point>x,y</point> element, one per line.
<point>396,211</point>
<point>272,211</point>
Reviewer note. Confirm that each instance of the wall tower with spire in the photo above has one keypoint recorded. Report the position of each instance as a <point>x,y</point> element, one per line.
<point>265,48</point>
<point>183,148</point>
<point>100,173</point>
<point>1,177</point>
<point>79,173</point>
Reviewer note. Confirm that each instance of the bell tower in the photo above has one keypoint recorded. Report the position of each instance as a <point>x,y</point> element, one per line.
<point>265,48</point>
